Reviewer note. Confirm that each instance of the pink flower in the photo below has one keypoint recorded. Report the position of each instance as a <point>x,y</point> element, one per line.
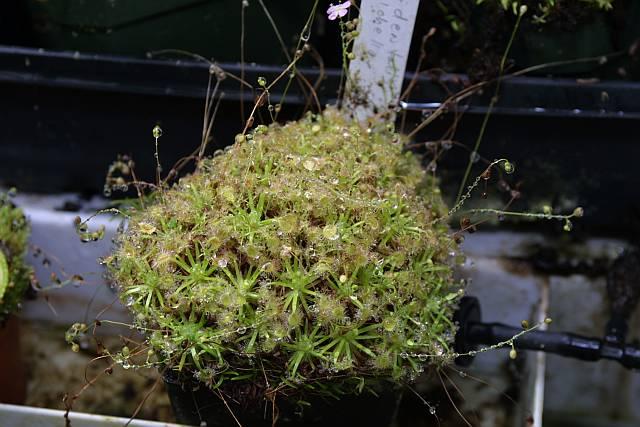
<point>338,11</point>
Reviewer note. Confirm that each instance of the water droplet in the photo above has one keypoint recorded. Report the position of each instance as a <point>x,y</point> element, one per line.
<point>241,330</point>
<point>475,157</point>
<point>157,131</point>
<point>446,145</point>
<point>432,410</point>
<point>404,355</point>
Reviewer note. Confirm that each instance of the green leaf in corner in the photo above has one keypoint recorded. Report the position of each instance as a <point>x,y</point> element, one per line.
<point>4,275</point>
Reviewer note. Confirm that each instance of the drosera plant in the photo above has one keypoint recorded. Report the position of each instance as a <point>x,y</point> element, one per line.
<point>317,253</point>
<point>15,274</point>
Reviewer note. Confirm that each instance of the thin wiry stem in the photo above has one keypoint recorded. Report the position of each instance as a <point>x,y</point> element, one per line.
<point>243,5</point>
<point>475,88</point>
<point>536,215</point>
<point>283,46</point>
<point>210,121</point>
<point>265,92</point>
<point>304,38</point>
<point>451,400</point>
<point>466,195</point>
<point>228,408</point>
<point>144,400</point>
<point>494,100</point>
<point>465,374</point>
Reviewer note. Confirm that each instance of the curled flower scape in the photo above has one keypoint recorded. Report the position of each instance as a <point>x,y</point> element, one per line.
<point>338,11</point>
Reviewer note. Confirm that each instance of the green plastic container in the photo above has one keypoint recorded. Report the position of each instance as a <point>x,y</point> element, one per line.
<point>134,27</point>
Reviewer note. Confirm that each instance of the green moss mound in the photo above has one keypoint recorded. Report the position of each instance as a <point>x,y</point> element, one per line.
<point>307,256</point>
<point>14,273</point>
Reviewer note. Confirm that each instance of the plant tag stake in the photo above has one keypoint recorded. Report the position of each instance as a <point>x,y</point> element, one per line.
<point>381,50</point>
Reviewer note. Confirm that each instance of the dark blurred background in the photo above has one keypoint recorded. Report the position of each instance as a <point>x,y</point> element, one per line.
<point>78,87</point>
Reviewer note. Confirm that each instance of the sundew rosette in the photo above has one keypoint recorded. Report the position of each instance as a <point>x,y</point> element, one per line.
<point>14,273</point>
<point>306,256</point>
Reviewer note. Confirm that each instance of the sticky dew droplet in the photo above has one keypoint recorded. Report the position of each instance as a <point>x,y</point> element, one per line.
<point>508,167</point>
<point>568,226</point>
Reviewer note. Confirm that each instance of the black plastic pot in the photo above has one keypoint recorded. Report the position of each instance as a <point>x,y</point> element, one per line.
<point>194,404</point>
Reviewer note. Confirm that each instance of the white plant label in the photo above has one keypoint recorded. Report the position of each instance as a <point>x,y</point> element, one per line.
<point>381,51</point>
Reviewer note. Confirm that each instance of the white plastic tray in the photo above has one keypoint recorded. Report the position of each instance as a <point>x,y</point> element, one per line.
<point>27,416</point>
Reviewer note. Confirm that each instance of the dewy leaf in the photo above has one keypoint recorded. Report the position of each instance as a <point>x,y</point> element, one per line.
<point>451,296</point>
<point>4,275</point>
